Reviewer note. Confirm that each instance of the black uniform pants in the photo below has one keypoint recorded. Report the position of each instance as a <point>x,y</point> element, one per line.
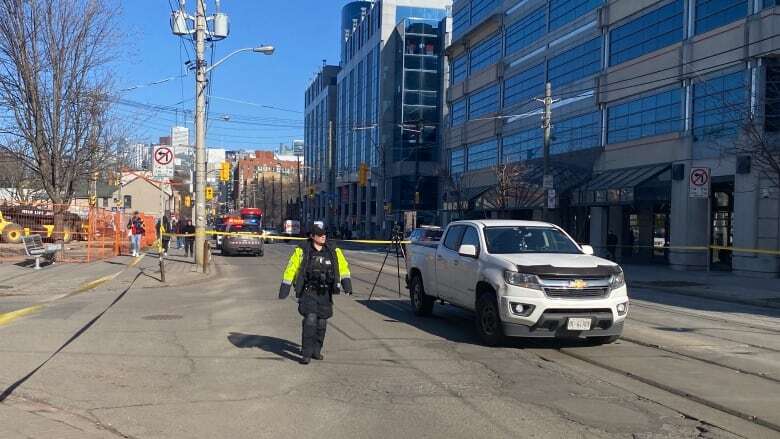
<point>316,309</point>
<point>188,247</point>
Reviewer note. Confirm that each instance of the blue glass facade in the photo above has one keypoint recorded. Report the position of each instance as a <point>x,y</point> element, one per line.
<point>651,31</point>
<point>565,11</point>
<point>577,132</point>
<point>525,31</point>
<point>647,116</point>
<point>523,86</point>
<point>523,145</point>
<point>718,105</point>
<point>576,63</point>
<point>458,112</point>
<point>481,9</point>
<point>459,69</point>
<point>483,101</point>
<point>485,53</point>
<point>457,161</point>
<point>482,155</point>
<point>715,13</point>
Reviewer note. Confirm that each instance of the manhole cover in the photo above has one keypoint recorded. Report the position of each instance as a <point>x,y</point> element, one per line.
<point>162,317</point>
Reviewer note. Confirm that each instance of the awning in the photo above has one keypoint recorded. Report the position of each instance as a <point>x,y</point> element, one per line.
<point>618,185</point>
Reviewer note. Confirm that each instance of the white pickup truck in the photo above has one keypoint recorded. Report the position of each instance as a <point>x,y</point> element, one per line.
<point>522,279</point>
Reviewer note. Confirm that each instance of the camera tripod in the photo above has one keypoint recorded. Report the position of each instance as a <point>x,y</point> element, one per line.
<point>393,246</point>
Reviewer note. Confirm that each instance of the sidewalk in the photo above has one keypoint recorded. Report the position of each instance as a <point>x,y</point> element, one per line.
<point>22,286</point>
<point>712,285</point>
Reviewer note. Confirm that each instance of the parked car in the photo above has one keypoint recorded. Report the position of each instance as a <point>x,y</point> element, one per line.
<point>272,231</point>
<point>242,239</point>
<point>291,228</point>
<point>522,279</point>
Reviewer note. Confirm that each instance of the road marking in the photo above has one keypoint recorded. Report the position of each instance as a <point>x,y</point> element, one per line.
<point>6,318</point>
<point>9,317</point>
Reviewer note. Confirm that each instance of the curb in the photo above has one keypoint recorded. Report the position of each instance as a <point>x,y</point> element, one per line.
<point>705,295</point>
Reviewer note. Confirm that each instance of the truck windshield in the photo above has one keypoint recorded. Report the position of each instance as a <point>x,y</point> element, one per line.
<point>508,240</point>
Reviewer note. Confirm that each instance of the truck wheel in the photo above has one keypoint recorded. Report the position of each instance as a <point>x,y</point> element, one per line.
<point>489,320</point>
<point>422,304</point>
<point>604,340</point>
<point>12,234</point>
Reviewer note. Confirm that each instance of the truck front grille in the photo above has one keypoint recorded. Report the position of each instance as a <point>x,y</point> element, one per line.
<point>572,293</point>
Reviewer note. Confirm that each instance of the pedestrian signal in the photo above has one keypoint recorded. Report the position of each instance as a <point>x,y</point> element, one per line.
<point>363,175</point>
<point>187,201</point>
<point>209,193</point>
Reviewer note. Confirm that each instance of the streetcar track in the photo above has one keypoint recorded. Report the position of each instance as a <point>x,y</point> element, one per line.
<point>645,304</point>
<point>704,334</point>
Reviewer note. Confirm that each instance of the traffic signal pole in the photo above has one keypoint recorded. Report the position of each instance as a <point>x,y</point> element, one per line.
<point>200,136</point>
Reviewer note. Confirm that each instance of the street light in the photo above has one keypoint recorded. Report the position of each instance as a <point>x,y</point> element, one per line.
<point>265,50</point>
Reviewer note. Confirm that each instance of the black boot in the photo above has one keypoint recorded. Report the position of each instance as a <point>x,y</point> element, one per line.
<point>305,360</point>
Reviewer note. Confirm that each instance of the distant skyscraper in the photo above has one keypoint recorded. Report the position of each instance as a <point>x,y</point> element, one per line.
<point>180,140</point>
<point>139,156</point>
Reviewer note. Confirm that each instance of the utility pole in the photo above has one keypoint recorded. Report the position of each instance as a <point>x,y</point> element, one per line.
<point>300,194</point>
<point>547,126</point>
<point>420,127</point>
<point>281,196</point>
<point>200,134</point>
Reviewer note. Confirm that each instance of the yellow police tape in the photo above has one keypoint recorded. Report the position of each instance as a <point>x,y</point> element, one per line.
<point>385,242</point>
<point>278,237</point>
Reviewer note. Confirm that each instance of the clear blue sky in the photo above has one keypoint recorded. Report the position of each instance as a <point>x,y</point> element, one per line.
<point>304,33</point>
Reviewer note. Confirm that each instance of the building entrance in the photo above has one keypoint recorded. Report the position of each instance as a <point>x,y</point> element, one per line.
<point>722,220</point>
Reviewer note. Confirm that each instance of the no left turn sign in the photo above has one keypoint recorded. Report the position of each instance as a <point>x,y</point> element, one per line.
<point>699,183</point>
<point>163,155</point>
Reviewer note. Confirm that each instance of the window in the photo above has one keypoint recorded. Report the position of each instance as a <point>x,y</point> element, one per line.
<point>459,69</point>
<point>578,132</point>
<point>771,3</point>
<point>576,63</point>
<point>565,11</point>
<point>483,101</point>
<point>458,112</point>
<point>481,9</point>
<point>524,85</point>
<point>128,201</point>
<point>470,237</point>
<point>483,155</point>
<point>715,13</point>
<point>485,53</point>
<point>525,31</point>
<point>648,116</point>
<point>524,145</point>
<point>460,20</point>
<point>457,161</point>
<point>772,110</point>
<point>508,240</point>
<point>718,105</point>
<point>454,234</point>
<point>656,29</point>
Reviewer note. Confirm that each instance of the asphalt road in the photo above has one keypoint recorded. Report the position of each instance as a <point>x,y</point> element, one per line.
<point>219,359</point>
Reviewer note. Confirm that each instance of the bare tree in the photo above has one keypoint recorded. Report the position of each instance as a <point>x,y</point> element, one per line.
<point>455,187</point>
<point>54,82</point>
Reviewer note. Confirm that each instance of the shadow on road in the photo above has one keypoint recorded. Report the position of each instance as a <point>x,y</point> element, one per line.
<point>277,346</point>
<point>670,298</point>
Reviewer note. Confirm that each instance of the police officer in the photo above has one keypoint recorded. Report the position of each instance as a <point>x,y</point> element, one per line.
<point>317,271</point>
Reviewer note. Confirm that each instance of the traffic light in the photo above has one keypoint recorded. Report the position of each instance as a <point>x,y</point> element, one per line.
<point>187,201</point>
<point>224,172</point>
<point>209,193</point>
<point>363,175</point>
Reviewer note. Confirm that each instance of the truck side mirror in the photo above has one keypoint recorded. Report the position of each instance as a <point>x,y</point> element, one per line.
<point>588,250</point>
<point>468,250</point>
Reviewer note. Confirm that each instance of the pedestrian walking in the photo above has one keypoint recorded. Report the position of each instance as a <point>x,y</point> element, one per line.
<point>135,230</point>
<point>612,242</point>
<point>180,231</point>
<point>189,240</point>
<point>317,271</point>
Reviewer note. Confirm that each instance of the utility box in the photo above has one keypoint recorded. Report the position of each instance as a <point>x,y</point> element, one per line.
<point>221,25</point>
<point>179,23</point>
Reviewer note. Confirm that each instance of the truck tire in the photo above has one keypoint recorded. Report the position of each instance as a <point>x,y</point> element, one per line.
<point>422,304</point>
<point>604,340</point>
<point>489,320</point>
<point>12,234</point>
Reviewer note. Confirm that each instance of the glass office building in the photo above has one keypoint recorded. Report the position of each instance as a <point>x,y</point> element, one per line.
<point>644,92</point>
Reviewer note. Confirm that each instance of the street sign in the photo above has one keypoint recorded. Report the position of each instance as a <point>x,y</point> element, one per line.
<point>551,198</point>
<point>547,182</point>
<point>163,163</point>
<point>699,183</point>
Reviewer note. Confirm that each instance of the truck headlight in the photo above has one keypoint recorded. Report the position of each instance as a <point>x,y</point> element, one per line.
<point>524,280</point>
<point>617,280</point>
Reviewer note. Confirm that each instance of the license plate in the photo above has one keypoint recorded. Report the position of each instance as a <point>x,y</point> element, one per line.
<point>578,324</point>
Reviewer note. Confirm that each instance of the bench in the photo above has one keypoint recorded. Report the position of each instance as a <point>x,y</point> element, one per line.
<point>33,246</point>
